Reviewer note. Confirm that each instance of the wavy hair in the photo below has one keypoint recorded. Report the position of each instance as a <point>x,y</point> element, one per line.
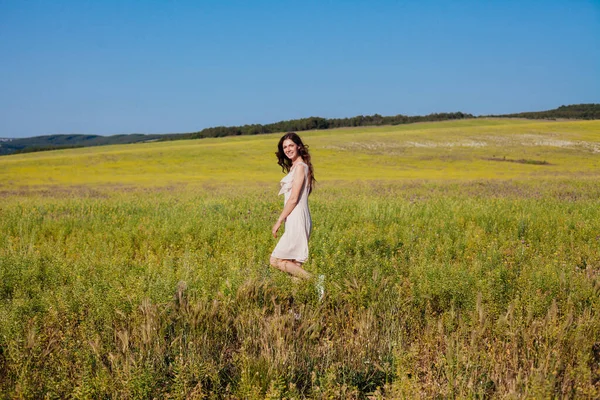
<point>286,163</point>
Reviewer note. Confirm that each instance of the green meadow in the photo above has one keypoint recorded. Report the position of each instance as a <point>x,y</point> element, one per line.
<point>461,260</point>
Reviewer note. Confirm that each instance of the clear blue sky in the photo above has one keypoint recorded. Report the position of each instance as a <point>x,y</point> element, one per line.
<point>108,67</point>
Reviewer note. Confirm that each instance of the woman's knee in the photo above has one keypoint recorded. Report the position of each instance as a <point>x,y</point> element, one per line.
<point>275,262</point>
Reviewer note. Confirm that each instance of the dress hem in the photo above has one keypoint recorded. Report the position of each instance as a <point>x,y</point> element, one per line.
<point>297,259</point>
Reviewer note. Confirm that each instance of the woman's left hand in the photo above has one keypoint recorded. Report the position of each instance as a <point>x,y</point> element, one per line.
<point>276,228</point>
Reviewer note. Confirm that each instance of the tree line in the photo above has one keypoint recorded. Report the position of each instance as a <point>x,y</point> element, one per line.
<point>305,124</point>
<point>574,111</point>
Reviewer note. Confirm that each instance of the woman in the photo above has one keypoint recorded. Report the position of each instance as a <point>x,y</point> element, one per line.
<point>292,250</point>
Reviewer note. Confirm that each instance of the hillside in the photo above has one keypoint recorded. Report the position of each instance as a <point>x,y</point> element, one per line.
<point>450,150</point>
<point>56,142</point>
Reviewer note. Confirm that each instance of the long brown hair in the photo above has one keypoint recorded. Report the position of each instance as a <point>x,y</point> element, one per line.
<point>286,163</point>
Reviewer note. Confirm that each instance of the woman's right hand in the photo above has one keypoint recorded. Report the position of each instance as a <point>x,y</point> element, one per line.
<point>276,228</point>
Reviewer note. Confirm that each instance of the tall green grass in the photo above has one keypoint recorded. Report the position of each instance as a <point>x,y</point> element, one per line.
<point>433,289</point>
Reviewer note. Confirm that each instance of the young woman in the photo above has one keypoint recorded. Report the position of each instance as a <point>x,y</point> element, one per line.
<point>292,250</point>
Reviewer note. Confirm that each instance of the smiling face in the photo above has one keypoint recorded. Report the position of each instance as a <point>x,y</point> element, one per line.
<point>290,149</point>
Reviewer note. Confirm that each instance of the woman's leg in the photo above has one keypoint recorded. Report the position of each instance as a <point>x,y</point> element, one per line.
<point>291,267</point>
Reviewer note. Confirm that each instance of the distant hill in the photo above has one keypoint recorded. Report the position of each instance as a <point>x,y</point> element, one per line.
<point>55,142</point>
<point>575,111</point>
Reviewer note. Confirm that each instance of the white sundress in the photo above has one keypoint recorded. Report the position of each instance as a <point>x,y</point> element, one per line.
<point>293,244</point>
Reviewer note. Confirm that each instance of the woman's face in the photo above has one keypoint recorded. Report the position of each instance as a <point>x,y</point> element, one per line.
<point>290,149</point>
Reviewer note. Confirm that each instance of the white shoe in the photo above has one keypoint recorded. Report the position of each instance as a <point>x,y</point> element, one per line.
<point>320,286</point>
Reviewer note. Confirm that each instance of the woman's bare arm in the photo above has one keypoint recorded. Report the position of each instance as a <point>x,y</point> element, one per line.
<point>297,184</point>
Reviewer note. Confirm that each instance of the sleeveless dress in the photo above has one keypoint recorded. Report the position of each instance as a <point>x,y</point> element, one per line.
<point>293,244</point>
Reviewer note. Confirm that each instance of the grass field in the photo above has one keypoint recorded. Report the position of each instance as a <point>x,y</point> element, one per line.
<point>462,259</point>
